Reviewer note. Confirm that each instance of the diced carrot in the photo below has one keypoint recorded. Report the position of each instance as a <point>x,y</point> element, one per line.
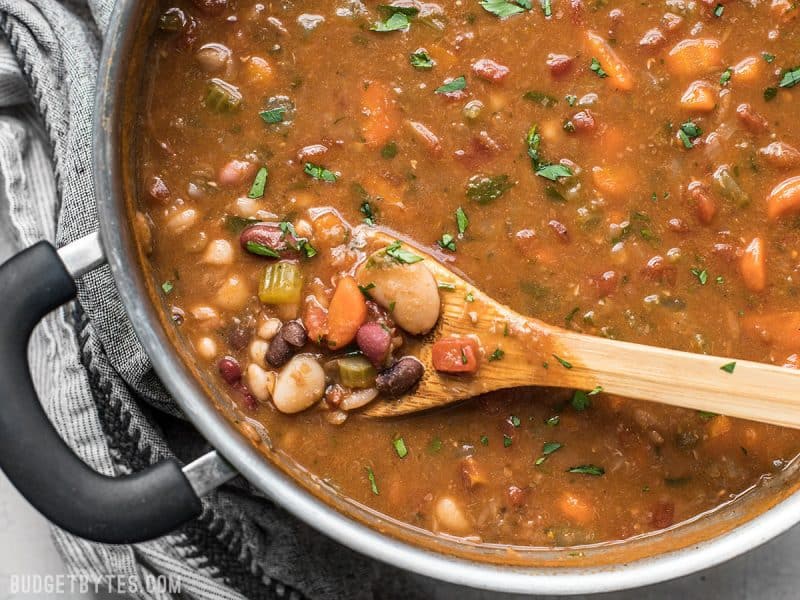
<point>455,355</point>
<point>700,96</point>
<point>616,182</point>
<point>443,57</point>
<point>784,199</point>
<point>382,114</point>
<point>753,266</point>
<point>694,57</point>
<point>346,313</point>
<point>781,330</point>
<point>575,508</point>
<point>258,71</point>
<point>718,426</point>
<point>620,75</point>
<point>426,138</point>
<point>748,70</point>
<point>315,320</point>
<point>330,229</point>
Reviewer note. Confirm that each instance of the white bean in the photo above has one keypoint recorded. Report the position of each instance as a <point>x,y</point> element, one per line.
<point>258,351</point>
<point>234,293</point>
<point>300,384</point>
<point>206,316</point>
<point>450,516</point>
<point>183,220</point>
<point>260,382</point>
<point>206,348</point>
<point>269,328</point>
<point>359,398</point>
<point>219,252</point>
<point>408,291</point>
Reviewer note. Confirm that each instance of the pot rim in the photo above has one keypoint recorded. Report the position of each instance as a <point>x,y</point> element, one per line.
<point>301,503</point>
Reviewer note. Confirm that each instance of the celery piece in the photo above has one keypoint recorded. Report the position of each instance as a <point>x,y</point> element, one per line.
<point>222,97</point>
<point>282,284</point>
<point>356,372</point>
<point>725,185</point>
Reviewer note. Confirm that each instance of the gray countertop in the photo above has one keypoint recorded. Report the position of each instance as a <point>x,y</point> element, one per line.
<point>771,571</point>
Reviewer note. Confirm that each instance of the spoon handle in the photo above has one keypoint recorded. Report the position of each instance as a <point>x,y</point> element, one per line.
<point>737,388</point>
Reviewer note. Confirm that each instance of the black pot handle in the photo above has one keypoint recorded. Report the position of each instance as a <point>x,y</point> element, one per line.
<point>113,510</point>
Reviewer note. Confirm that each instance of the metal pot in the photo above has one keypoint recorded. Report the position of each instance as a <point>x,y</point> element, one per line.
<point>160,498</point>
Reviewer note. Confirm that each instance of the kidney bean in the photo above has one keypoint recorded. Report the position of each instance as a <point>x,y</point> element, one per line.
<point>236,172</point>
<point>279,351</point>
<point>705,207</point>
<point>583,121</point>
<point>560,230</point>
<point>606,283</point>
<point>230,370</point>
<point>263,238</point>
<point>157,189</point>
<point>559,64</point>
<point>294,334</point>
<point>657,269</point>
<point>400,377</point>
<point>490,70</point>
<point>751,119</point>
<point>374,341</point>
<point>239,336</point>
<point>677,225</point>
<point>517,496</point>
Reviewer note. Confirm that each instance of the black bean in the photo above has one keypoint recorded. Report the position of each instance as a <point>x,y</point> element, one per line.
<point>400,377</point>
<point>279,351</point>
<point>294,333</point>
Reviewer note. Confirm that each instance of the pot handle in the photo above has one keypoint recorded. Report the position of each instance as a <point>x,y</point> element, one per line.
<point>113,510</point>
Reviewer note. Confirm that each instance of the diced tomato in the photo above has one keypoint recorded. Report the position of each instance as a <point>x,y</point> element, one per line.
<point>455,355</point>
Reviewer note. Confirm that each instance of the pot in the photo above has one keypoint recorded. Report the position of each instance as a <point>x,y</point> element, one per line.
<point>154,501</point>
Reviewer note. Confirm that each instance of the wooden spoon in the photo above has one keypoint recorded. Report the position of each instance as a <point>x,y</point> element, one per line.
<point>537,354</point>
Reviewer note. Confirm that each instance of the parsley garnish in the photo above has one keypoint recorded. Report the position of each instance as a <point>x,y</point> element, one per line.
<point>261,250</point>
<point>401,255</point>
<point>318,172</point>
<point>498,354</point>
<point>400,447</point>
<point>435,445</point>
<point>718,10</point>
<point>562,362</point>
<point>688,133</point>
<point>389,150</point>
<point>273,115</point>
<point>446,285</point>
<point>167,287</point>
<point>447,242</point>
<point>581,400</point>
<point>705,415</point>
<point>587,470</point>
<point>540,98</point>
<point>542,168</point>
<point>372,484</point>
<point>398,21</point>
<point>547,8</point>
<point>507,441</point>
<point>485,188</point>
<point>462,221</point>
<point>369,214</point>
<point>503,9</point>
<point>702,275</point>
<point>770,93</point>
<point>571,99</point>
<point>725,78</point>
<point>259,183</point>
<point>553,172</point>
<point>484,440</point>
<point>597,68</point>
<point>729,367</point>
<point>768,57</point>
<point>454,85</point>
<point>421,60</point>
<point>553,421</point>
<point>469,297</point>
<point>547,449</point>
<point>366,288</point>
<point>790,78</point>
<point>514,420</point>
<point>303,244</point>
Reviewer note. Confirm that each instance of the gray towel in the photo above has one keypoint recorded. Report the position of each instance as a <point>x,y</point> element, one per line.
<point>96,382</point>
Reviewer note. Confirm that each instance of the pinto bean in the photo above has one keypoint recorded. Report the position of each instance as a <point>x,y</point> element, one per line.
<point>400,377</point>
<point>294,334</point>
<point>268,240</point>
<point>375,342</point>
<point>299,385</point>
<point>583,121</point>
<point>229,369</point>
<point>753,121</point>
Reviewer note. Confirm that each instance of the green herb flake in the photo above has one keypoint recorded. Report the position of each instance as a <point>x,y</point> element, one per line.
<point>401,255</point>
<point>514,420</point>
<point>366,288</point>
<point>389,151</point>
<point>167,287</point>
<point>507,441</point>
<point>688,132</point>
<point>484,440</point>
<point>446,286</point>
<point>259,183</point>
<point>541,98</point>
<point>587,470</point>
<point>398,21</point>
<point>791,77</point>
<point>435,445</point>
<point>273,115</point>
<point>236,224</point>
<point>447,242</point>
<point>597,68</point>
<point>400,447</point>
<point>462,221</point>
<point>547,8</point>
<point>770,93</point>
<point>484,189</point>
<point>706,415</point>
<point>372,483</point>
<point>421,60</point>
<point>728,367</point>
<point>501,8</point>
<point>454,85</point>
<point>553,172</point>
<point>571,99</point>
<point>725,78</point>
<point>261,250</point>
<point>368,212</point>
<point>303,245</point>
<point>769,58</point>
<point>547,449</point>
<point>580,400</point>
<point>553,421</point>
<point>320,173</point>
<point>498,354</point>
<point>719,10</point>
<point>562,362</point>
<point>702,275</point>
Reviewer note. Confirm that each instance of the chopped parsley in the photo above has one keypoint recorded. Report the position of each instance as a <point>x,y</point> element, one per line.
<point>503,9</point>
<point>770,93</point>
<point>540,98</point>
<point>498,354</point>
<point>540,167</point>
<point>547,449</point>
<point>728,367</point>
<point>718,10</point>
<point>702,275</point>
<point>553,421</point>
<point>725,78</point>
<point>514,420</point>
<point>547,8</point>
<point>484,440</point>
<point>562,362</point>
<point>454,85</point>
<point>597,68</point>
<point>791,77</point>
<point>571,99</point>
<point>421,60</point>
<point>398,21</point>
<point>581,400</point>
<point>372,483</point>
<point>368,212</point>
<point>507,440</point>
<point>486,188</point>
<point>706,415</point>
<point>320,173</point>
<point>400,447</point>
<point>389,150</point>
<point>447,242</point>
<point>435,445</point>
<point>768,57</point>
<point>259,183</point>
<point>587,470</point>
<point>303,245</point>
<point>447,286</point>
<point>366,288</point>
<point>689,132</point>
<point>167,287</point>
<point>273,115</point>
<point>236,224</point>
<point>400,254</point>
<point>553,172</point>
<point>462,221</point>
<point>261,250</point>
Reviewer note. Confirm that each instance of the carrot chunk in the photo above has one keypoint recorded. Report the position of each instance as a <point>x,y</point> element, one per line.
<point>784,199</point>
<point>315,320</point>
<point>780,330</point>
<point>694,57</point>
<point>455,355</point>
<point>620,75</point>
<point>346,313</point>
<point>748,70</point>
<point>575,508</point>
<point>383,117</point>
<point>700,96</point>
<point>616,182</point>
<point>753,266</point>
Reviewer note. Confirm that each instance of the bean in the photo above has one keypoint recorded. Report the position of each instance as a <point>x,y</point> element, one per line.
<point>450,516</point>
<point>213,57</point>
<point>269,241</point>
<point>229,369</point>
<point>375,342</point>
<point>400,377</point>
<point>359,398</point>
<point>206,348</point>
<point>260,382</point>
<point>218,252</point>
<point>294,334</point>
<point>279,351</point>
<point>236,171</point>
<point>300,384</point>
